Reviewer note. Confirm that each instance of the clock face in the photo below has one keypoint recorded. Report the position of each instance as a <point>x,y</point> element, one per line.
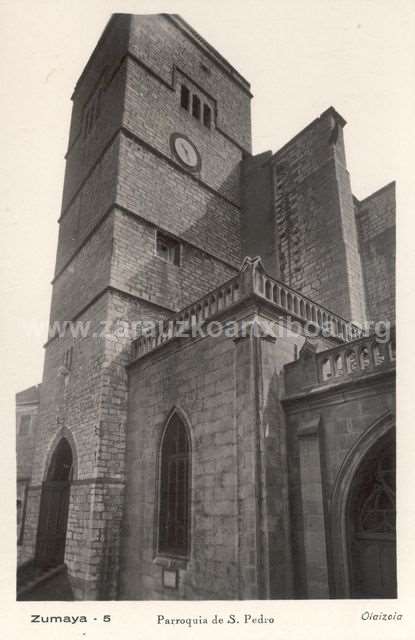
<point>185,151</point>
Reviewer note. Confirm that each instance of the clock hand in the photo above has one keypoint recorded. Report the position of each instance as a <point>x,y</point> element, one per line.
<point>186,152</point>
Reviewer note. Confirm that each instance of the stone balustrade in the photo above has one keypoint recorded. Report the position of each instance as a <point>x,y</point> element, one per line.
<point>200,311</point>
<point>359,357</point>
<point>302,308</point>
<point>252,280</point>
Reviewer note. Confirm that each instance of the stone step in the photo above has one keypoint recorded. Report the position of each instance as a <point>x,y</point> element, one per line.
<point>32,576</point>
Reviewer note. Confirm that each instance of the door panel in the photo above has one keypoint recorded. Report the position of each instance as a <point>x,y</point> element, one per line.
<point>53,518</point>
<point>371,524</point>
<point>374,565</point>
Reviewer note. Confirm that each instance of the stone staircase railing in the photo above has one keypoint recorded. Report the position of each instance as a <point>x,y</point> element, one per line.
<point>252,280</point>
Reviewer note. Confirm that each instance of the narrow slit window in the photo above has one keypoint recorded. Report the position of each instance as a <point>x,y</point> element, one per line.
<point>196,107</point>
<point>207,116</point>
<point>185,97</point>
<point>67,358</point>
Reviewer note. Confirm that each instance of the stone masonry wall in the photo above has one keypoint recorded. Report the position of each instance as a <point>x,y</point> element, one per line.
<point>86,276</point>
<point>137,268</point>
<point>174,201</point>
<point>73,400</point>
<point>90,204</point>
<point>162,46</point>
<point>25,444</point>
<point>153,113</point>
<point>25,438</point>
<point>314,212</point>
<point>258,221</point>
<point>354,276</point>
<point>27,548</point>
<point>199,381</point>
<point>343,415</point>
<point>276,525</point>
<point>228,390</point>
<point>99,92</point>
<point>88,406</point>
<point>375,217</point>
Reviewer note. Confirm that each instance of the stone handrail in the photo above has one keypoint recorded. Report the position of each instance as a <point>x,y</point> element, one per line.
<point>212,303</point>
<point>363,356</point>
<point>302,308</point>
<point>251,280</point>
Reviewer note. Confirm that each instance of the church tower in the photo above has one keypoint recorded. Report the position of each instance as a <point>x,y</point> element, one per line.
<point>220,465</point>
<point>150,222</point>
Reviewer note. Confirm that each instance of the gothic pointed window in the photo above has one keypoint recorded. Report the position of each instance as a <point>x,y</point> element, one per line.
<point>377,514</point>
<point>174,496</point>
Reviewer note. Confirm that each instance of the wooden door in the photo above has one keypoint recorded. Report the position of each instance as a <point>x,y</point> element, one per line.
<point>54,507</point>
<point>372,529</point>
<point>53,520</point>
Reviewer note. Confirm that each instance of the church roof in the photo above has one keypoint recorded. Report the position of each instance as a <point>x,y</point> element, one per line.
<point>31,395</point>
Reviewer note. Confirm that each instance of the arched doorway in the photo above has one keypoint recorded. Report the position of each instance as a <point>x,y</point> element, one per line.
<point>371,523</point>
<point>54,506</point>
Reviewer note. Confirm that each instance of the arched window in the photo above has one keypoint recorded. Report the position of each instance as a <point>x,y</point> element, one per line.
<point>174,497</point>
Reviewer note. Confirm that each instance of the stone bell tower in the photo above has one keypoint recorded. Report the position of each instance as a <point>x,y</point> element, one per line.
<point>149,222</point>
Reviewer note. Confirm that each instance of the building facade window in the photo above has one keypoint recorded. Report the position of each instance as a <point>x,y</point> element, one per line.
<point>67,358</point>
<point>196,107</point>
<point>196,104</point>
<point>185,97</point>
<point>168,249</point>
<point>174,491</point>
<point>207,116</point>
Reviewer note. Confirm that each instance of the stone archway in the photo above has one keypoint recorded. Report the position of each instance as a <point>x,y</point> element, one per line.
<point>344,504</point>
<point>370,523</point>
<point>54,507</point>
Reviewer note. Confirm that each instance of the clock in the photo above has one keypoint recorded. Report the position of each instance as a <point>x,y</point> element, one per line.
<point>185,152</point>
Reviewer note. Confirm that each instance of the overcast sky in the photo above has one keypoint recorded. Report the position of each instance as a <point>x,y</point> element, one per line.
<point>300,57</point>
